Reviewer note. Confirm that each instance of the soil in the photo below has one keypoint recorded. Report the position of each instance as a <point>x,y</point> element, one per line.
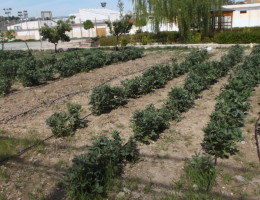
<point>37,173</point>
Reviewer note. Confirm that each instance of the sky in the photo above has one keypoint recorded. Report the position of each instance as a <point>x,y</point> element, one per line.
<point>58,7</point>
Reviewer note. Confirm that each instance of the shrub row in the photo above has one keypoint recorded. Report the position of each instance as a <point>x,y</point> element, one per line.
<point>106,98</point>
<point>147,124</point>
<point>238,36</point>
<point>223,130</point>
<point>31,72</point>
<point>91,173</point>
<point>12,55</point>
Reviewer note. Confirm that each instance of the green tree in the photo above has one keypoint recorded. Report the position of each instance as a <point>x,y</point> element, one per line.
<point>57,33</point>
<point>189,14</point>
<point>119,27</point>
<point>6,36</point>
<point>88,24</point>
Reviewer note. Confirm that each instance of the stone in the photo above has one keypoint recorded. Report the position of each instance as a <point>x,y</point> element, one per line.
<point>127,191</point>
<point>240,178</point>
<point>120,195</point>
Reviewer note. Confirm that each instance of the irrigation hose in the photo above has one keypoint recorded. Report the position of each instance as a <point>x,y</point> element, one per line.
<point>4,121</point>
<point>257,133</point>
<point>34,145</point>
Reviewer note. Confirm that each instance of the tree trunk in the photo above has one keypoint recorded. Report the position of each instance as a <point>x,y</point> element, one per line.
<point>55,47</point>
<point>117,38</point>
<point>3,45</point>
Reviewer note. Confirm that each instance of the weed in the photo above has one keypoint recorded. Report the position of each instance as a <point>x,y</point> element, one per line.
<point>4,176</point>
<point>226,178</point>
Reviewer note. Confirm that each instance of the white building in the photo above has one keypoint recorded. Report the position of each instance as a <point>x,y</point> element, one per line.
<point>245,15</point>
<point>98,16</point>
<point>29,29</point>
<point>237,16</point>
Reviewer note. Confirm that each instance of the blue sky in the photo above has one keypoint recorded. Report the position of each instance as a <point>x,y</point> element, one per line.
<point>58,7</point>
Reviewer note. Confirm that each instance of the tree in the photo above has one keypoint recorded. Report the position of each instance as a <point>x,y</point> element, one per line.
<point>57,33</point>
<point>120,6</point>
<point>189,14</point>
<point>88,24</point>
<point>119,27</point>
<point>6,36</point>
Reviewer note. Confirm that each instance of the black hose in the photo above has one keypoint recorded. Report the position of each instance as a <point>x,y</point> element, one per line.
<point>4,121</point>
<point>257,133</point>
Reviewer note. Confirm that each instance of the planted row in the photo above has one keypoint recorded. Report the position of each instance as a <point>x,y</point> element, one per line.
<point>106,98</point>
<point>147,124</point>
<point>223,131</point>
<point>31,72</point>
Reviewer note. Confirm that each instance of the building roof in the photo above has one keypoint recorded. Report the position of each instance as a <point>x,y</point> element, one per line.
<point>243,6</point>
<point>96,14</point>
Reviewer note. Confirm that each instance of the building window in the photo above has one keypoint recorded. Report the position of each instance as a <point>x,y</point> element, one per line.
<point>243,11</point>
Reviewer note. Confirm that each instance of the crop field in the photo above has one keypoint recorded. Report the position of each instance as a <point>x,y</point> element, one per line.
<point>141,124</point>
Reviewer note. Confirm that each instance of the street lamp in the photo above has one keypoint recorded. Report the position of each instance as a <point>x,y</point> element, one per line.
<point>7,11</point>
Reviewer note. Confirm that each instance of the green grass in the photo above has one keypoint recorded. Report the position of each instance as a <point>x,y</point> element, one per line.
<point>10,145</point>
<point>4,176</point>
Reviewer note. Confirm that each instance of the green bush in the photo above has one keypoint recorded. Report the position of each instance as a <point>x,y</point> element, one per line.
<point>28,73</point>
<point>180,99</point>
<point>147,124</point>
<point>12,55</point>
<point>136,87</point>
<point>124,42</point>
<point>158,75</point>
<point>238,36</point>
<point>107,41</point>
<point>8,68</point>
<point>105,98</point>
<point>200,170</point>
<point>5,86</point>
<point>91,174</point>
<point>64,124</point>
<point>69,64</point>
<point>46,68</point>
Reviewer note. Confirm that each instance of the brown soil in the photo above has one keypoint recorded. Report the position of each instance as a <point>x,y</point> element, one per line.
<point>36,173</point>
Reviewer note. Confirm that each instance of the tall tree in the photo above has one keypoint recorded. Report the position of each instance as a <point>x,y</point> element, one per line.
<point>119,27</point>
<point>57,33</point>
<point>189,14</point>
<point>6,36</point>
<point>120,6</point>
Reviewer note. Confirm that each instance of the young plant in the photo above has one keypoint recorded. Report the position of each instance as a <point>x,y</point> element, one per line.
<point>64,124</point>
<point>147,124</point>
<point>91,174</point>
<point>105,98</point>
<point>200,170</point>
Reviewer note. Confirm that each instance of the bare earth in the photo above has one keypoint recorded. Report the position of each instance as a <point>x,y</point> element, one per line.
<point>36,174</point>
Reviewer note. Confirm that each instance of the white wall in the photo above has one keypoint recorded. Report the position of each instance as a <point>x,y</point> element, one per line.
<point>249,19</point>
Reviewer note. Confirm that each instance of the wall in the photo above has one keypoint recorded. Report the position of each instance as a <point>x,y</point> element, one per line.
<point>249,19</point>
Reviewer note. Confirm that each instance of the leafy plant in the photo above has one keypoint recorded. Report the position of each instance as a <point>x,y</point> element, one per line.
<point>148,123</point>
<point>91,174</point>
<point>180,99</point>
<point>27,72</point>
<point>5,86</point>
<point>105,98</point>
<point>69,64</point>
<point>65,124</point>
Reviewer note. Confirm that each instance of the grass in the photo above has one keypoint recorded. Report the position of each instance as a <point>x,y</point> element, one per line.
<point>3,197</point>
<point>227,177</point>
<point>10,145</point>
<point>4,176</point>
